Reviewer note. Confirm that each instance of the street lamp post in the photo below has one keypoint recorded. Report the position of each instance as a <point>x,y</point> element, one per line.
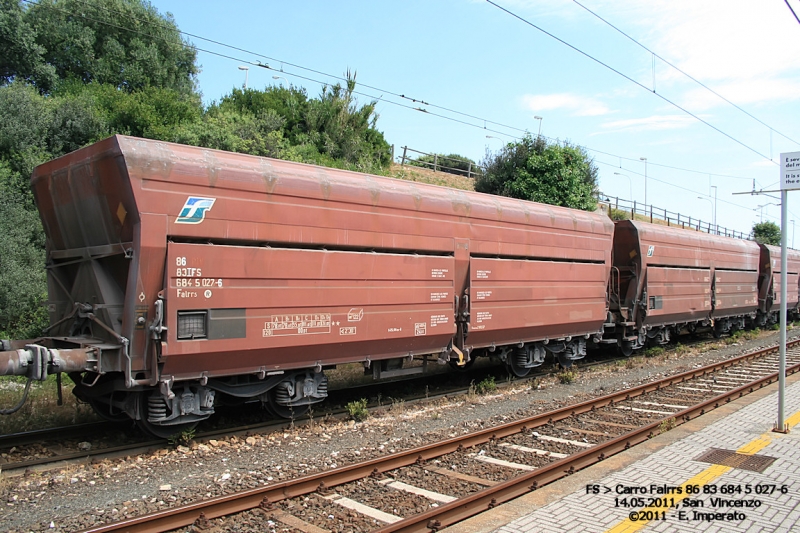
<point>645,180</point>
<point>716,228</point>
<point>246,72</point>
<point>760,209</point>
<point>630,183</point>
<point>713,209</point>
<point>537,117</point>
<point>281,78</point>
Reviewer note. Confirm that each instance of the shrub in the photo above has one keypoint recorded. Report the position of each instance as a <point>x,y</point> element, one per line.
<point>654,351</point>
<point>184,438</point>
<point>358,409</point>
<point>452,164</point>
<point>533,169</point>
<point>567,376</point>
<point>486,386</point>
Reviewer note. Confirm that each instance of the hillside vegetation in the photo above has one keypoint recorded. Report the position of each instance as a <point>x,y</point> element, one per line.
<point>73,72</point>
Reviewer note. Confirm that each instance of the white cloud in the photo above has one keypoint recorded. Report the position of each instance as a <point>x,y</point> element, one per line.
<point>651,123</point>
<point>578,105</point>
<point>744,92</point>
<point>744,50</point>
<point>765,163</point>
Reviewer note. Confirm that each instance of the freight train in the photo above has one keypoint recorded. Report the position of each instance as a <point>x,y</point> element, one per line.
<point>181,277</point>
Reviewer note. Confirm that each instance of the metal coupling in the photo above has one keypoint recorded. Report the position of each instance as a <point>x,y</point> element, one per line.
<point>36,362</point>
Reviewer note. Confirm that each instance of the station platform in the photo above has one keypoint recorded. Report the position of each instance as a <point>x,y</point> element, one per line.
<point>675,482</point>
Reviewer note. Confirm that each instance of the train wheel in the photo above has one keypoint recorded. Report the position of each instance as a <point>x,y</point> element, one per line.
<point>564,361</point>
<point>164,432</point>
<point>157,430</point>
<point>285,411</point>
<point>626,349</point>
<point>515,366</point>
<point>103,410</point>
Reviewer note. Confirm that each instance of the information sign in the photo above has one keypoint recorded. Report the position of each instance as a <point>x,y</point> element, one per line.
<point>790,171</point>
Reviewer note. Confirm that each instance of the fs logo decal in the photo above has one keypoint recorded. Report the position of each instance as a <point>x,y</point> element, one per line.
<point>194,210</point>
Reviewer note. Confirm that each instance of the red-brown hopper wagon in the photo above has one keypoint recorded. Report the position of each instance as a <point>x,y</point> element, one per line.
<point>178,276</point>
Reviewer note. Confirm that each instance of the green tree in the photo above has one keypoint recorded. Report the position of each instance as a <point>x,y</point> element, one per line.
<point>290,104</point>
<point>73,72</point>
<point>767,233</point>
<point>226,129</point>
<point>25,121</point>
<point>452,163</point>
<point>22,57</point>
<point>341,130</point>
<point>151,112</point>
<point>22,276</point>
<point>331,130</point>
<point>124,43</point>
<point>532,169</point>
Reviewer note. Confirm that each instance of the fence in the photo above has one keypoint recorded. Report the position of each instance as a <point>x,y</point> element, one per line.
<point>436,165</point>
<point>636,210</point>
<point>644,212</point>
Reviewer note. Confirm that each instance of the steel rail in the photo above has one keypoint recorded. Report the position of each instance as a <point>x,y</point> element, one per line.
<point>149,444</point>
<point>35,436</point>
<point>467,506</point>
<point>478,502</point>
<point>146,443</point>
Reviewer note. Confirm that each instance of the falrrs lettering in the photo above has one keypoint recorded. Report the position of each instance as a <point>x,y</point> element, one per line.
<point>186,294</point>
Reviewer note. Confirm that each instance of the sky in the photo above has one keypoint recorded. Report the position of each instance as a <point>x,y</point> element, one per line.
<point>481,72</point>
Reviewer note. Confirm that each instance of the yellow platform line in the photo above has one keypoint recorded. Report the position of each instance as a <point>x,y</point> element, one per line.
<point>703,478</point>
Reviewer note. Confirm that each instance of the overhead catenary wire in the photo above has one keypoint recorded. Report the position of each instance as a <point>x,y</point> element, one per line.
<point>700,83</point>
<point>622,74</point>
<point>384,100</point>
<point>792,10</point>
<point>670,184</point>
<point>341,78</point>
<point>283,62</point>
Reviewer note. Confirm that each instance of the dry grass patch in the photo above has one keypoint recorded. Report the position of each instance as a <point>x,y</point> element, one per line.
<point>423,175</point>
<point>41,409</point>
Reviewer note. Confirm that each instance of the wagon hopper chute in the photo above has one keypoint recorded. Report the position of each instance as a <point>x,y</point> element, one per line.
<point>769,284</point>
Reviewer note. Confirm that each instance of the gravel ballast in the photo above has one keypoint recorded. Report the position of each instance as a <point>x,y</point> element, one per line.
<point>79,496</point>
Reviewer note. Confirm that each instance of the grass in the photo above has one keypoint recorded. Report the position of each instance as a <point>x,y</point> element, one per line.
<point>667,424</point>
<point>358,409</point>
<point>398,405</point>
<point>654,351</point>
<point>567,376</point>
<point>680,349</point>
<point>41,409</point>
<point>619,214</point>
<point>423,175</point>
<point>486,386</point>
<point>734,337</point>
<point>184,438</point>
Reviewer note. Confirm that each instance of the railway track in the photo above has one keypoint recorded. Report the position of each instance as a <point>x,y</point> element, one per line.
<point>466,475</point>
<point>57,445</point>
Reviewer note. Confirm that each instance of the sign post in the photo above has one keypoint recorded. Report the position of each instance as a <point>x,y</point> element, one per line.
<point>790,180</point>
